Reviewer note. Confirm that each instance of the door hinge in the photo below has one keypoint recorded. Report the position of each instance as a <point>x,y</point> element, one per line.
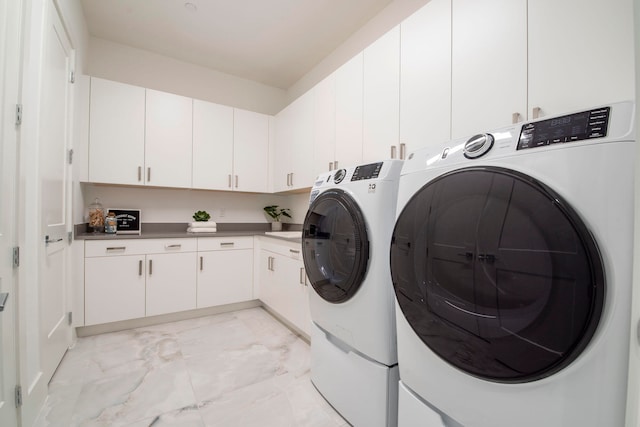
<point>16,257</point>
<point>72,77</point>
<point>18,114</point>
<point>70,156</point>
<point>18,396</point>
<point>70,315</point>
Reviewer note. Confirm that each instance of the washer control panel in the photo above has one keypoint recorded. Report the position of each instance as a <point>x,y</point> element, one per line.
<point>570,128</point>
<point>369,171</point>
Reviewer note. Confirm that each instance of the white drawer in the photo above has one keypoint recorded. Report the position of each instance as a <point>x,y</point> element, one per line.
<point>224,243</point>
<point>282,247</point>
<point>96,248</point>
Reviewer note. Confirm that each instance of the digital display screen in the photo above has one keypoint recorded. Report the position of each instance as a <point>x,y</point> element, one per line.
<point>367,171</point>
<point>574,127</point>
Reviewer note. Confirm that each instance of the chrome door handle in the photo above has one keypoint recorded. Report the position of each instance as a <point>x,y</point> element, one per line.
<point>236,181</point>
<point>149,174</point>
<point>3,300</point>
<point>302,281</point>
<point>403,151</point>
<point>201,263</point>
<point>535,112</point>
<point>393,151</point>
<point>139,173</point>
<point>139,267</point>
<point>229,180</point>
<point>47,240</point>
<point>515,118</point>
<point>150,267</point>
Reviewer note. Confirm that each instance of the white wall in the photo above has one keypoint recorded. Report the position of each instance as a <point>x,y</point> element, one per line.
<point>178,205</point>
<point>114,61</point>
<point>388,18</point>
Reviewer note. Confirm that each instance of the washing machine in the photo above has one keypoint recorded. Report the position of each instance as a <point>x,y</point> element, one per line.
<point>345,240</point>
<point>511,262</point>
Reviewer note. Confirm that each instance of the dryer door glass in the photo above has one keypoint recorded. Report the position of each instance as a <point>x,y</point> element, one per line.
<point>497,274</point>
<point>335,246</point>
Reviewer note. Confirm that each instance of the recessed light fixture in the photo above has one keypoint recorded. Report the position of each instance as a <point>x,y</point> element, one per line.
<point>191,7</point>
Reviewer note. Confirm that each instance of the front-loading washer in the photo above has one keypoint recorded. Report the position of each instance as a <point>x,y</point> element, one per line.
<point>511,260</point>
<point>346,238</point>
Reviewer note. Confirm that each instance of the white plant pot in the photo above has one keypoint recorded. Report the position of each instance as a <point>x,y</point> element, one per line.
<point>276,226</point>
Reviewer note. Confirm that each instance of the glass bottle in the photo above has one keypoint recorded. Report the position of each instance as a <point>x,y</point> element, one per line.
<point>96,217</point>
<point>111,223</point>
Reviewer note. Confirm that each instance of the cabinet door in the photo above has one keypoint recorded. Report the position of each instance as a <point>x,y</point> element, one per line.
<point>116,133</point>
<point>489,64</point>
<point>225,277</point>
<point>324,129</point>
<point>581,54</point>
<point>168,148</point>
<point>114,289</point>
<point>171,283</point>
<point>302,173</point>
<point>212,146</point>
<point>265,291</point>
<point>349,98</point>
<point>381,107</point>
<point>425,76</point>
<point>251,151</point>
<point>282,156</point>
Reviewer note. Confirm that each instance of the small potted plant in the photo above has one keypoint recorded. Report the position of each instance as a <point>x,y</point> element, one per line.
<point>276,212</point>
<point>200,216</point>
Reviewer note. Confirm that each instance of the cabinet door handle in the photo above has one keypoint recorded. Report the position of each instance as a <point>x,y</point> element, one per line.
<point>227,244</point>
<point>174,246</point>
<point>3,300</point>
<point>116,248</point>
<point>515,118</point>
<point>150,267</point>
<point>292,179</point>
<point>393,151</point>
<point>236,181</point>
<point>229,180</point>
<point>201,263</point>
<point>535,112</point>
<point>139,267</point>
<point>302,281</point>
<point>148,174</point>
<point>335,164</point>
<point>270,264</point>
<point>403,151</point>
<point>294,251</point>
<point>139,173</point>
<point>288,179</point>
<point>330,166</point>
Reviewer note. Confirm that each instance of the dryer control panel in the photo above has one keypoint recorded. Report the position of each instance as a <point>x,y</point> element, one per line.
<point>570,128</point>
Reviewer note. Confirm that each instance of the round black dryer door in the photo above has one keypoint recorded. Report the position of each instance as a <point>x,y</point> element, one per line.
<point>497,274</point>
<point>335,246</point>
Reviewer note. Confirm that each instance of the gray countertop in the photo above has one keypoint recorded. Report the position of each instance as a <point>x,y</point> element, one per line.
<point>179,230</point>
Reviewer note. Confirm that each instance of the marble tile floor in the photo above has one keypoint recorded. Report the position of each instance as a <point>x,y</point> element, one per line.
<point>242,368</point>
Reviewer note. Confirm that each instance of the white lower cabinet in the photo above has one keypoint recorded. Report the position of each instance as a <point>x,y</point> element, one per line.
<point>225,271</point>
<point>129,279</point>
<point>171,283</point>
<point>283,284</point>
<point>114,288</point>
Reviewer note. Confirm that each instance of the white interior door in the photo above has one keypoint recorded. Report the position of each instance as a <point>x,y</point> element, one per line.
<point>9,76</point>
<point>54,192</point>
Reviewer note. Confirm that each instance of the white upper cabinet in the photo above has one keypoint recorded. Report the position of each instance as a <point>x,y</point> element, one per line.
<point>324,129</point>
<point>489,64</point>
<point>293,162</point>
<point>251,151</point>
<point>116,133</point>
<point>349,98</point>
<point>425,76</point>
<point>381,94</point>
<point>581,54</point>
<point>212,146</point>
<point>168,139</point>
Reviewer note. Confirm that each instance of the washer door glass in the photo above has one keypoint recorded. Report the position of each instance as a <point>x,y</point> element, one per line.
<point>497,274</point>
<point>335,246</point>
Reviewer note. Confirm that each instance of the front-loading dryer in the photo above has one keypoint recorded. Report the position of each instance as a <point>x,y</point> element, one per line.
<point>511,260</point>
<point>346,238</point>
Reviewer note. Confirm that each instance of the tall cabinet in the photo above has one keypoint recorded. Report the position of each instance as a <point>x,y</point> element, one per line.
<point>425,76</point>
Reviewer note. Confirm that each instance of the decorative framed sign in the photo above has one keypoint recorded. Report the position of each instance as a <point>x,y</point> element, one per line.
<point>128,220</point>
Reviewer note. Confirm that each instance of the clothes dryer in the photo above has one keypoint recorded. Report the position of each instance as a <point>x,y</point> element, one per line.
<point>346,237</point>
<point>511,260</point>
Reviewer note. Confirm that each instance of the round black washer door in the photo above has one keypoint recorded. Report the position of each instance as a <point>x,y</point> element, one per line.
<point>335,246</point>
<point>497,274</point>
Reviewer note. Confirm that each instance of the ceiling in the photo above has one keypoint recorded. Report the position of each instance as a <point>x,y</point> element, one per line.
<point>274,42</point>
